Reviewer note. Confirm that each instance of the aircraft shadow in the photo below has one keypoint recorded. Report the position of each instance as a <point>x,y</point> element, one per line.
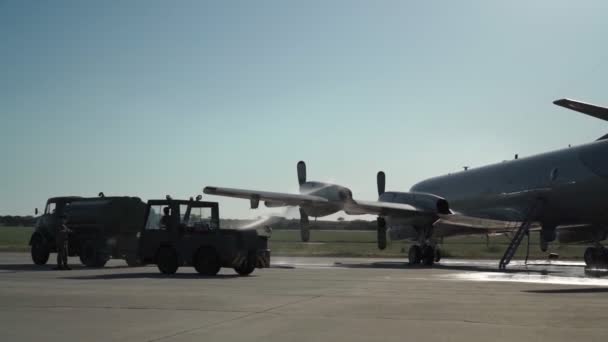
<point>476,268</point>
<point>571,290</point>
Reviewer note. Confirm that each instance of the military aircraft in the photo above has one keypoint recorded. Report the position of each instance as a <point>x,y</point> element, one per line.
<point>319,199</point>
<point>561,190</point>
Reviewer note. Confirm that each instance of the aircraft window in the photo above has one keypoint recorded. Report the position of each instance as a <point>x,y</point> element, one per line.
<point>553,175</point>
<point>593,158</point>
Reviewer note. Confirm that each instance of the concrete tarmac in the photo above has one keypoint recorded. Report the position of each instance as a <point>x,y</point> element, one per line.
<point>304,299</point>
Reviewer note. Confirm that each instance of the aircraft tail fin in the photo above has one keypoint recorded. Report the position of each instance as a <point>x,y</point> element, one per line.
<point>585,108</point>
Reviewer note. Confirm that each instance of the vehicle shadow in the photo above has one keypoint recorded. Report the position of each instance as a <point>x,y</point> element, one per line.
<point>144,275</point>
<point>571,290</point>
<point>32,267</point>
<point>453,267</point>
<point>49,267</point>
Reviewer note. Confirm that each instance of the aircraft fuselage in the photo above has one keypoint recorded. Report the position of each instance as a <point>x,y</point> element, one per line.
<point>573,183</point>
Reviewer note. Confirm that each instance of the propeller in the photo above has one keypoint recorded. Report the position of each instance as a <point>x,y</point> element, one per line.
<point>304,229</point>
<point>381,240</point>
<point>381,180</point>
<point>301,172</point>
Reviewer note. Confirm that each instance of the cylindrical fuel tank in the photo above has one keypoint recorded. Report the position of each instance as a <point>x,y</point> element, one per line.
<point>111,215</point>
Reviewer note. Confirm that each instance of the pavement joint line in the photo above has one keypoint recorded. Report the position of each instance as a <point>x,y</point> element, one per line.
<point>252,313</point>
<point>122,308</point>
<point>233,319</point>
<point>182,332</point>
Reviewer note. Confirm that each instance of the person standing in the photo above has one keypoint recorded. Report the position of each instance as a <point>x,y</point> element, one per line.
<point>61,239</point>
<point>165,220</point>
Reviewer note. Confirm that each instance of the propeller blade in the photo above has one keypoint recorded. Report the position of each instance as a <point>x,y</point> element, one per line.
<point>381,240</point>
<point>381,180</point>
<point>303,217</point>
<point>301,172</point>
<point>304,228</point>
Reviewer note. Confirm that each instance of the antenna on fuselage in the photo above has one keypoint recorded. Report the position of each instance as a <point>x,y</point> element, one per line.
<point>465,168</point>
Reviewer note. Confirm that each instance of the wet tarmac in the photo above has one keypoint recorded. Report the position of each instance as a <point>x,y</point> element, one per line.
<point>534,271</point>
<point>305,299</point>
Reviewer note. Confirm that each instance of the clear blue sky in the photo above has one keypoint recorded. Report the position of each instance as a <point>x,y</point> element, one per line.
<point>155,97</point>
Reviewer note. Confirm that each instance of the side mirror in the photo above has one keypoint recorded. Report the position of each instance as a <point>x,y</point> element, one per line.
<point>36,211</point>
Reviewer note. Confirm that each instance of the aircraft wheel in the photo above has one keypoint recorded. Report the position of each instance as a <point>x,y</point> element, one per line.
<point>207,262</point>
<point>166,260</point>
<point>414,255</point>
<point>40,251</point>
<point>428,255</point>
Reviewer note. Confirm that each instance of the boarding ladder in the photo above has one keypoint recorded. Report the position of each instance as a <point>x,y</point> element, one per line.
<point>522,231</point>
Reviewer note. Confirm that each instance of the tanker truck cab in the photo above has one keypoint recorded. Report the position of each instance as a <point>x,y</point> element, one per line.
<point>42,241</point>
<point>101,228</point>
<point>187,233</point>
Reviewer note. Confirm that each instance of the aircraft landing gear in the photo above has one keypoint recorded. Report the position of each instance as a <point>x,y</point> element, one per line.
<point>414,255</point>
<point>428,255</point>
<point>425,250</point>
<point>425,254</point>
<point>596,257</point>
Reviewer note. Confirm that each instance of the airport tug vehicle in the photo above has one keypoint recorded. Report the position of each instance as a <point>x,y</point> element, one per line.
<point>187,233</point>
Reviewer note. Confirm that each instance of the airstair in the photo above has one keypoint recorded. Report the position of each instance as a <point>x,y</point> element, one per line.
<point>522,231</point>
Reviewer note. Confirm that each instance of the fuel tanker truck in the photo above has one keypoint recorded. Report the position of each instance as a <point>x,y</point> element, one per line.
<point>169,233</point>
<point>101,228</point>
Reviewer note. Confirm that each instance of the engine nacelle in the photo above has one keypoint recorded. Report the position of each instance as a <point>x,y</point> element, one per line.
<point>419,200</point>
<point>270,204</point>
<point>332,192</point>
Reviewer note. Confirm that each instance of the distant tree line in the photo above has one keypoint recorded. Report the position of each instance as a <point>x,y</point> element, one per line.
<point>25,221</point>
<point>283,223</point>
<point>274,223</point>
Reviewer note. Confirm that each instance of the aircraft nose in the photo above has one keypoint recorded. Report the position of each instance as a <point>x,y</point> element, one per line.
<point>595,158</point>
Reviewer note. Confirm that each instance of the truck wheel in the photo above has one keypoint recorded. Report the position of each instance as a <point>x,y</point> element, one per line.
<point>90,256</point>
<point>247,267</point>
<point>40,251</point>
<point>166,260</point>
<point>207,262</point>
<point>133,261</point>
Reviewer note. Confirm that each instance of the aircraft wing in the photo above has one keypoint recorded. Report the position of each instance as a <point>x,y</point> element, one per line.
<point>463,221</point>
<point>277,198</point>
<point>382,209</point>
<point>402,210</point>
<point>585,108</point>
